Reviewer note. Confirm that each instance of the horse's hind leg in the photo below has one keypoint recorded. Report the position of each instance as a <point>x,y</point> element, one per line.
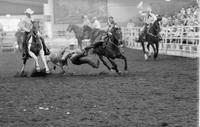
<point>154,49</point>
<point>125,61</point>
<point>23,67</point>
<point>157,50</point>
<point>104,62</point>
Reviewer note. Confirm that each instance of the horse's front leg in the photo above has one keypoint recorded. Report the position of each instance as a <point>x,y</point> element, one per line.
<point>114,65</point>
<point>23,67</point>
<point>44,61</point>
<point>104,62</point>
<point>36,60</point>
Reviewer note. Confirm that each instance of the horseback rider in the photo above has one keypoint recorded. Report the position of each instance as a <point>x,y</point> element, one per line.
<point>149,19</point>
<point>26,27</point>
<point>86,20</point>
<point>106,36</point>
<point>111,24</point>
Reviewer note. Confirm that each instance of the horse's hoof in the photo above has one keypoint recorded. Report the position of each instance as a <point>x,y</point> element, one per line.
<point>119,72</point>
<point>23,74</point>
<point>48,72</point>
<point>145,57</point>
<point>37,69</point>
<point>125,72</point>
<point>62,72</point>
<point>112,70</point>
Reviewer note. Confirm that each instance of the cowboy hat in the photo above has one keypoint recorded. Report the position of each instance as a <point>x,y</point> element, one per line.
<point>29,11</point>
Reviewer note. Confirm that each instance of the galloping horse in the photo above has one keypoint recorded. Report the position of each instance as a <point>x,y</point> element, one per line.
<point>78,33</point>
<point>35,48</point>
<point>152,37</point>
<point>108,47</point>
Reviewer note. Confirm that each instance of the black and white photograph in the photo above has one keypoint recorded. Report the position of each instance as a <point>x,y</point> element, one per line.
<point>99,63</point>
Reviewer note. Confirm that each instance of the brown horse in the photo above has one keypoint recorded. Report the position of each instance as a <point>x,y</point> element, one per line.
<point>78,33</point>
<point>108,47</point>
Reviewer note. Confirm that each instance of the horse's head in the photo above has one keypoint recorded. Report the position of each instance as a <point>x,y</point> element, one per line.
<point>86,28</point>
<point>36,27</point>
<point>117,34</point>
<point>155,28</point>
<point>70,28</point>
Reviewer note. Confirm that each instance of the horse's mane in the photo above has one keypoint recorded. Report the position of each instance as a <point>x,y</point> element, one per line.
<point>155,28</point>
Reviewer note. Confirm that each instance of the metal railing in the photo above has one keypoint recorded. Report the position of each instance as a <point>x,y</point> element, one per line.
<point>177,40</point>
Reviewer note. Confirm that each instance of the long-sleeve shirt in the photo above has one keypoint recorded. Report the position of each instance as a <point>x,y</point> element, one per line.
<point>86,22</point>
<point>96,24</point>
<point>150,18</point>
<point>26,24</point>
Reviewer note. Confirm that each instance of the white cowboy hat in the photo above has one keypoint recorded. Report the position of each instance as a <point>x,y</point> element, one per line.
<point>29,11</point>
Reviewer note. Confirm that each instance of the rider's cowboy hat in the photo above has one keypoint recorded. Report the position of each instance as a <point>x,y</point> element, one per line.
<point>29,11</point>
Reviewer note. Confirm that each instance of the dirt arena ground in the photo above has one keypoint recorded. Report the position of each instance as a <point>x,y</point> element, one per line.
<point>162,93</point>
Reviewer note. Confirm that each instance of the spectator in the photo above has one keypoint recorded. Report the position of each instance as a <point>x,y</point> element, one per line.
<point>95,23</point>
<point>86,21</point>
<point>130,23</point>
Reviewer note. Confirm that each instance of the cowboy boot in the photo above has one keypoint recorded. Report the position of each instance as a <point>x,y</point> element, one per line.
<point>25,51</point>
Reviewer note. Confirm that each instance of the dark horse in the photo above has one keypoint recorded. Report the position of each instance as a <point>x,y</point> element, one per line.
<point>36,48</point>
<point>107,45</point>
<point>152,37</point>
<point>78,33</point>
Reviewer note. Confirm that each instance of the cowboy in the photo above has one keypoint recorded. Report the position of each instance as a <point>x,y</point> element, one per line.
<point>77,56</point>
<point>95,23</point>
<point>26,26</point>
<point>86,21</point>
<point>149,19</point>
<point>111,24</point>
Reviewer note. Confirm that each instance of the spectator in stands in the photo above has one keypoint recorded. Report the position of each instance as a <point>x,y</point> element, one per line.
<point>164,21</point>
<point>86,21</point>
<point>130,23</point>
<point>95,23</point>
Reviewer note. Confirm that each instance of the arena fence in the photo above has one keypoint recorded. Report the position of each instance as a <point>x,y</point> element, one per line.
<point>8,42</point>
<point>177,40</point>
